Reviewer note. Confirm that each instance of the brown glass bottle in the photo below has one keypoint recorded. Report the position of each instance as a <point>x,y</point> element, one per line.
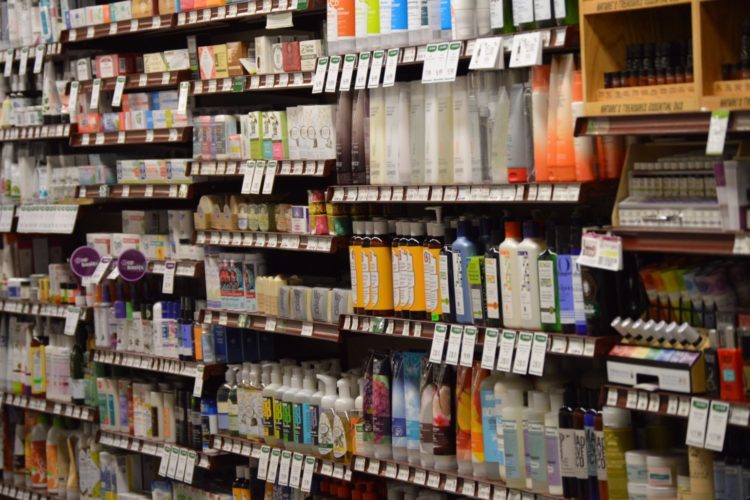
<point>381,270</point>
<point>355,266</point>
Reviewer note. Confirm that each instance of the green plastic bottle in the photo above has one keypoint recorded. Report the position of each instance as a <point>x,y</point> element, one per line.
<point>549,299</point>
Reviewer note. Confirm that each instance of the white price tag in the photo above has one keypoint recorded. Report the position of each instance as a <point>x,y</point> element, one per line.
<point>119,87</point>
<point>654,402</point>
<point>538,353</point>
<point>360,81</point>
<point>612,396</point>
<point>38,58</point>
<point>391,469</point>
<point>451,484</point>
<point>72,315</point>
<point>683,409</point>
<point>739,415</point>
<point>190,467</point>
<point>295,472</point>
<point>8,68</point>
<point>167,286</point>
<point>420,476</point>
<point>165,453</point>
<point>183,97</point>
<point>717,132</point>
<point>284,465</point>
<point>375,69</point>
<point>257,182</point>
<point>454,344</point>
<point>332,75</point>
<point>265,455</point>
<point>269,177</point>
<point>73,100</point>
<point>438,342</point>
<point>697,420</point>
<point>307,474</point>
<point>22,67</point>
<point>642,403</point>
<point>672,405</point>
<point>523,352</point>
<point>487,54</point>
<point>433,480</point>
<point>389,77</point>
<point>489,350</point>
<point>575,346</point>
<point>451,62</point>
<point>247,179</point>
<point>468,488</point>
<point>307,329</point>
<point>718,417</point>
<point>347,72</point>
<point>526,50</point>
<point>320,74</point>
<point>467,346</point>
<point>507,347</point>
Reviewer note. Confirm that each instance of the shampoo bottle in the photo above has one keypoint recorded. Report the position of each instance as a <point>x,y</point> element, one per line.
<point>432,246</point>
<point>528,255</point>
<point>490,411</point>
<point>444,420</point>
<point>539,112</point>
<point>478,376</point>
<point>398,408</point>
<point>552,450</point>
<point>326,420</point>
<point>549,300</point>
<point>270,433</point>
<point>462,251</point>
<point>510,275</point>
<point>535,442</point>
<point>415,271</point>
<point>515,468</point>
<point>427,396</point>
<point>445,275</point>
<point>463,419</point>
<point>342,446</point>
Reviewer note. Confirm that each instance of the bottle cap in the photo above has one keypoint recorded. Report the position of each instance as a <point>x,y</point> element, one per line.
<point>417,229</point>
<point>380,227</point>
<point>512,229</point>
<point>530,229</point>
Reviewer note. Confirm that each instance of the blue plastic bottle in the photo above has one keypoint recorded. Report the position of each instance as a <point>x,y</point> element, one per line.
<point>463,249</point>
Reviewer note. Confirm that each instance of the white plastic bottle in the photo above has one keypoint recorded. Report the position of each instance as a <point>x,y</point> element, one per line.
<point>515,468</point>
<point>534,441</point>
<point>270,435</point>
<point>290,397</point>
<point>243,400</point>
<point>254,388</point>
<point>510,277</point>
<point>551,427</point>
<point>302,402</point>
<point>359,432</point>
<point>341,428</point>
<point>526,262</point>
<point>325,421</point>
<point>284,420</point>
<point>509,381</point>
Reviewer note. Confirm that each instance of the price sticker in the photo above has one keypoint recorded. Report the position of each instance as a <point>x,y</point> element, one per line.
<point>332,74</point>
<point>375,69</point>
<point>654,402</point>
<point>507,347</point>
<point>642,403</point>
<point>134,25</point>
<point>307,329</point>
<point>612,396</point>
<point>403,473</point>
<point>320,74</point>
<point>420,477</point>
<point>438,342</point>
<point>270,175</point>
<point>113,28</point>
<point>489,351</point>
<point>373,467</point>
<point>718,417</point>
<point>433,480</point>
<point>451,484</point>
<point>739,415</point>
<point>523,352</point>
<point>697,420</point>
<point>467,346</point>
<point>538,353</point>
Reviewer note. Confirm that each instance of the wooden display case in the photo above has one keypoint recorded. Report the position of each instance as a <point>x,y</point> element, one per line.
<point>608,27</point>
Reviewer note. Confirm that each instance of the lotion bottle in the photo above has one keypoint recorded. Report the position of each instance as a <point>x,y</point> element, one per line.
<point>512,412</point>
<point>326,420</point>
<point>462,250</point>
<point>270,433</point>
<point>528,255</point>
<point>510,275</point>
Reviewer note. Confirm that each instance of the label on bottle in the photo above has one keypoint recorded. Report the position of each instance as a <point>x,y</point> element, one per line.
<point>314,416</point>
<point>340,437</point>
<point>416,277</point>
<point>489,425</point>
<point>590,450</point>
<point>565,289</point>
<point>601,461</point>
<point>506,284</point>
<point>560,9</point>
<point>526,286</point>
<point>353,273</point>
<point>458,287</point>
<point>278,417</point>
<point>374,278</point>
<point>567,447</point>
<point>497,16</point>
<point>523,12</point>
<point>512,458</point>
<point>267,416</point>
<point>578,302</point>
<point>581,465</point>
<point>444,283</point>
<point>542,10</point>
<point>396,277</point>
<point>547,291</point>
<point>553,456</point>
<point>536,451</point>
<point>381,283</point>
<point>325,434</point>
<point>491,289</point>
<point>286,421</point>
<point>404,267</point>
<point>297,423</point>
<point>431,279</point>
<point>474,273</point>
<point>365,278</point>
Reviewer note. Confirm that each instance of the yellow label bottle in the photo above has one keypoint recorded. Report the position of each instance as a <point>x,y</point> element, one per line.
<point>355,267</point>
<point>381,271</point>
<point>366,274</point>
<point>431,258</point>
<point>416,271</point>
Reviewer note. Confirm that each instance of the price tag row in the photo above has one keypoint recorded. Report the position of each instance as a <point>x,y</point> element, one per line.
<point>429,478</point>
<point>266,240</point>
<point>141,24</point>
<point>530,348</point>
<point>253,82</point>
<point>146,362</point>
<point>284,467</point>
<point>501,193</point>
<point>183,268</point>
<point>52,219</point>
<point>36,309</point>
<point>11,491</point>
<point>104,138</point>
<point>313,168</point>
<point>35,132</point>
<point>50,49</point>
<point>234,10</point>
<point>707,419</point>
<point>42,405</point>
<point>132,191</point>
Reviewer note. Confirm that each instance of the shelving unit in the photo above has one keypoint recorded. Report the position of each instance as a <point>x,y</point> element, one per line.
<point>177,135</point>
<point>273,324</point>
<point>70,410</point>
<point>281,241</point>
<point>135,191</point>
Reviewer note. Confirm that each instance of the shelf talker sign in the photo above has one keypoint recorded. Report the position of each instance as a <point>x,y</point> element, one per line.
<point>132,265</point>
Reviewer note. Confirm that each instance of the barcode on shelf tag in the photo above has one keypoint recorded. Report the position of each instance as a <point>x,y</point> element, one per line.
<point>307,329</point>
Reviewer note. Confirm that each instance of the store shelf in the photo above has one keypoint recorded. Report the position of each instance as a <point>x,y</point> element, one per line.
<point>667,403</point>
<point>135,191</point>
<point>659,124</point>
<point>168,135</point>
<point>147,446</point>
<point>563,344</point>
<point>8,490</point>
<point>254,83</point>
<point>681,240</point>
<point>449,482</point>
<point>286,168</point>
<point>50,50</point>
<point>611,6</point>
<point>70,410</point>
<point>243,11</point>
<point>35,132</point>
<point>281,241</point>
<point>141,25</point>
<point>157,364</point>
<point>574,192</point>
<point>185,268</point>
<point>144,81</point>
<point>272,324</point>
<point>35,308</point>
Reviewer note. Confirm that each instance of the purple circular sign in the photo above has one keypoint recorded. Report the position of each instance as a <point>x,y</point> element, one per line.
<point>132,265</point>
<point>83,261</point>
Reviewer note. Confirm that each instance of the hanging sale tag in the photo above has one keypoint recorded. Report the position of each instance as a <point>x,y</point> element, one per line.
<point>119,87</point>
<point>718,418</point>
<point>183,97</point>
<point>376,68</point>
<point>454,344</point>
<point>438,342</point>
<point>467,346</point>
<point>332,74</point>
<point>523,352</point>
<point>347,72</point>
<point>96,87</point>
<point>507,346</point>
<point>362,66</point>
<point>489,350</point>
<point>167,286</point>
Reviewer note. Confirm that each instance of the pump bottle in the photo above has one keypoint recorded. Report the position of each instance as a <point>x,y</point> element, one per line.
<point>463,249</point>
<point>326,420</point>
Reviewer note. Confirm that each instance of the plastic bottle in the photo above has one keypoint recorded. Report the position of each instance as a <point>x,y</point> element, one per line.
<point>55,447</point>
<point>314,410</point>
<point>478,376</point>
<point>463,249</point>
<point>38,453</point>
<point>463,419</point>
<point>381,403</point>
<point>381,271</point>
<point>445,281</point>
<point>271,434</point>
<point>295,419</point>
<point>502,386</point>
<point>561,151</point>
<point>243,401</point>
<point>255,388</point>
<point>355,266</point>
<point>280,406</point>
<point>396,278</point>
<point>618,438</point>
<point>490,410</point>
<point>492,280</point>
<point>535,442</point>
<point>356,419</point>
<point>222,400</point>
<point>72,491</point>
<point>398,407</point>
<point>233,408</point>
<point>528,254</point>
<point>415,271</point>
<point>342,446</point>
<point>444,419</point>
<point>428,393</point>
<point>325,422</point>
<point>549,300</point>
<point>301,403</point>
<point>510,275</point>
<point>552,451</point>
<point>515,468</point>
<point>432,246</point>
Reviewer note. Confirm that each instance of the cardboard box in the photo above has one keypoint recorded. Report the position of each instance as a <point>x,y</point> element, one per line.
<point>235,52</point>
<point>291,57</point>
<point>154,63</point>
<point>112,65</point>
<point>144,8</point>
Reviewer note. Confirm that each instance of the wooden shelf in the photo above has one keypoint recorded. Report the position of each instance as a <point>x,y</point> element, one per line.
<point>610,6</point>
<point>450,482</point>
<point>667,403</point>
<point>35,132</point>
<point>69,410</point>
<point>272,324</point>
<point>135,191</point>
<point>280,241</point>
<point>571,192</point>
<point>168,135</point>
<point>681,241</point>
<point>153,363</point>
<point>254,83</point>
<point>286,168</point>
<point>145,81</point>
